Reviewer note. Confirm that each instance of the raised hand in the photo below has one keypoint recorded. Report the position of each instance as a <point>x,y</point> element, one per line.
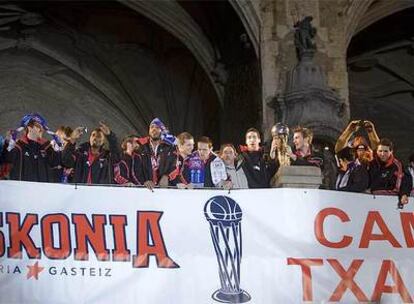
<point>368,125</point>
<point>104,128</point>
<point>354,126</point>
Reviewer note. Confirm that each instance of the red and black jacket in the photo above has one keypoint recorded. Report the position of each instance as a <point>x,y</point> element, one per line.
<point>312,158</point>
<point>91,169</point>
<point>129,170</point>
<point>31,160</point>
<point>389,178</point>
<point>181,172</point>
<point>157,163</point>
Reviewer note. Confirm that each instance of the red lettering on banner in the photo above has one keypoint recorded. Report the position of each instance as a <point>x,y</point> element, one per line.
<point>92,234</point>
<point>347,281</point>
<point>148,226</point>
<point>319,231</point>
<point>120,252</point>
<point>388,267</point>
<point>2,244</point>
<point>19,236</point>
<point>407,223</point>
<point>368,235</point>
<point>64,248</point>
<point>305,265</point>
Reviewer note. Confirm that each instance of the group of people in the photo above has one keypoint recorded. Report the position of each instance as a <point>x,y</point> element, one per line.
<point>161,160</point>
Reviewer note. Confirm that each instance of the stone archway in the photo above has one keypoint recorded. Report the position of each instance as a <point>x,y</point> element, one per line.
<point>135,61</point>
<point>381,81</point>
<point>364,13</point>
<point>82,63</point>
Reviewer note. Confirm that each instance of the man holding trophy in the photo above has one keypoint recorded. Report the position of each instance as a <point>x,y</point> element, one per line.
<point>280,150</point>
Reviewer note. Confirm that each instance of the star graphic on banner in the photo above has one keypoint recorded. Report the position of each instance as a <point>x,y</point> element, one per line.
<point>34,271</point>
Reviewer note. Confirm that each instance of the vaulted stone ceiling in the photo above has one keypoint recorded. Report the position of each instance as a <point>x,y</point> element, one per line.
<point>79,62</point>
<point>381,78</point>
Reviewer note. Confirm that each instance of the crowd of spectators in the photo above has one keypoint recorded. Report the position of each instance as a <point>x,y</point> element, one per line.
<point>161,159</point>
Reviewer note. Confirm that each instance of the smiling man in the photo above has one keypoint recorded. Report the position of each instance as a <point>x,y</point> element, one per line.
<point>31,157</point>
<point>185,161</point>
<point>258,172</point>
<point>92,162</point>
<point>387,173</point>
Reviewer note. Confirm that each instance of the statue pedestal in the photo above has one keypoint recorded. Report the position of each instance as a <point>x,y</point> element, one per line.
<point>297,177</point>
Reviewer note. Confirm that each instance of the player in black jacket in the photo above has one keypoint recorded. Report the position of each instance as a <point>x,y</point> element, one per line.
<point>352,175</point>
<point>129,171</point>
<point>158,155</point>
<point>92,162</point>
<point>258,171</point>
<point>31,157</point>
<point>387,175</point>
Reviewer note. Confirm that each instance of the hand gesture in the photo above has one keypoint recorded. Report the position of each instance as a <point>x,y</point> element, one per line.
<point>227,185</point>
<point>273,149</point>
<point>404,199</point>
<point>104,128</point>
<point>149,184</point>
<point>353,126</point>
<point>9,135</point>
<point>163,183</point>
<point>368,125</point>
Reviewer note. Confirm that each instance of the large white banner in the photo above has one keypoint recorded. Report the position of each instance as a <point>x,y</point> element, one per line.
<point>66,244</point>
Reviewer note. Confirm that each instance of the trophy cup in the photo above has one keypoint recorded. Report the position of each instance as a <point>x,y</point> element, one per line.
<point>280,133</point>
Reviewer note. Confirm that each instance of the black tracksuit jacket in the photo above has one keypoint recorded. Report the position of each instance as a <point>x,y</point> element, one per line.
<point>100,171</point>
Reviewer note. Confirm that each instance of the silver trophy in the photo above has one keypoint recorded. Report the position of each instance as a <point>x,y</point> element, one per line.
<point>224,216</point>
<point>280,133</point>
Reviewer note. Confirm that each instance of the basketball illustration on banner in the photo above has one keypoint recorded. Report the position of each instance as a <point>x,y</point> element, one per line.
<point>224,216</point>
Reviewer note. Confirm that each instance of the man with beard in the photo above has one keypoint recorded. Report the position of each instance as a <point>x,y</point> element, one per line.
<point>258,172</point>
<point>129,170</point>
<point>387,173</point>
<point>92,162</point>
<point>157,154</point>
<point>31,157</point>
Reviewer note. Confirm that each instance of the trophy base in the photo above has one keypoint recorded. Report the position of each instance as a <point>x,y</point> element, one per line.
<point>241,297</point>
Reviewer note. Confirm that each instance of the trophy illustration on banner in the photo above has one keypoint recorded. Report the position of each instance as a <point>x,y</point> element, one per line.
<point>224,216</point>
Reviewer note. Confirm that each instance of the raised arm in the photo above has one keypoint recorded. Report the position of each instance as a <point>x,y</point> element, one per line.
<point>372,134</point>
<point>343,139</point>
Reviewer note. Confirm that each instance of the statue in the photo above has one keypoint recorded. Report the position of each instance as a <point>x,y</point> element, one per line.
<point>304,35</point>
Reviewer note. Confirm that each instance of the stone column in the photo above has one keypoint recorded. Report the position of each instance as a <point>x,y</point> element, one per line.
<point>297,177</point>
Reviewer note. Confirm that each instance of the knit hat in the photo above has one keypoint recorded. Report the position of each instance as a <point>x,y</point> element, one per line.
<point>34,117</point>
<point>156,121</point>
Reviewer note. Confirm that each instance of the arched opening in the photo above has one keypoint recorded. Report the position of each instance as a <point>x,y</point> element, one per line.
<point>381,78</point>
<point>81,62</point>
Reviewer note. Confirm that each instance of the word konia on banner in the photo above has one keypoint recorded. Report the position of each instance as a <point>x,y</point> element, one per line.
<point>347,276</point>
<point>86,233</point>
